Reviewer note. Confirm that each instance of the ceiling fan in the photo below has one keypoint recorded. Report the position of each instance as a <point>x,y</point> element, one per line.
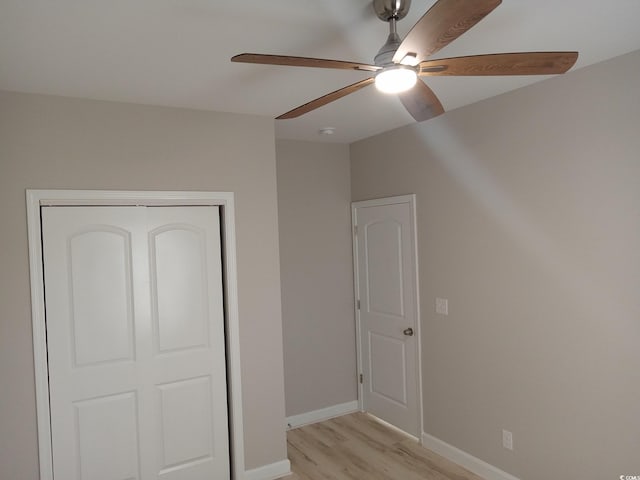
<point>399,63</point>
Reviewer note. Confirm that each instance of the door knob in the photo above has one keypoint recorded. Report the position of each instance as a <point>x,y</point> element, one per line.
<point>408,332</point>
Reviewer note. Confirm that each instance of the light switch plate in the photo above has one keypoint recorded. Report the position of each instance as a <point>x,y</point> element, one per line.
<point>507,439</point>
<point>442,306</point>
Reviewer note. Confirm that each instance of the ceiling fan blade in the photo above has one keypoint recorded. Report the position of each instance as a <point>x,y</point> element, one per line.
<point>328,98</point>
<point>445,21</point>
<point>301,62</point>
<point>421,102</point>
<point>529,63</point>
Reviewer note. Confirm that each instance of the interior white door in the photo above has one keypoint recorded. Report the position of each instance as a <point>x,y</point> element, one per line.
<point>135,341</point>
<point>386,279</point>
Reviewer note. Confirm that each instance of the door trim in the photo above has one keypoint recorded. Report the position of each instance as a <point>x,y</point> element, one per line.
<point>411,200</point>
<point>225,200</point>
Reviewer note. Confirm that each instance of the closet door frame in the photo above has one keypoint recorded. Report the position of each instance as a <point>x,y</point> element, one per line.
<point>225,200</point>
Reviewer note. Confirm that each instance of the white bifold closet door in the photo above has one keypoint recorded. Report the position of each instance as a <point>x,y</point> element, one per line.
<point>135,340</point>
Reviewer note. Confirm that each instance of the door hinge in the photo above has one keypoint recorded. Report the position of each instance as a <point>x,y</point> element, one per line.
<point>361,378</point>
<point>358,304</point>
<point>355,230</point>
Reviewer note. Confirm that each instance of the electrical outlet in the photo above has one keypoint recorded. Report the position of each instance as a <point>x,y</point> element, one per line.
<point>442,306</point>
<point>507,439</point>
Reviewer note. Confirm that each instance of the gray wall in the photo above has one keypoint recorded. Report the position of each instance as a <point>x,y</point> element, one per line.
<point>317,275</point>
<point>529,223</point>
<point>52,142</point>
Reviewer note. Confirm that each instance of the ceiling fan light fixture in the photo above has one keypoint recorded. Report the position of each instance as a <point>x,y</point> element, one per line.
<point>396,79</point>
<point>399,62</point>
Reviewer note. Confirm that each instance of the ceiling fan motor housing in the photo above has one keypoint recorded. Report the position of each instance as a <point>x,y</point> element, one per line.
<point>384,57</point>
<point>390,11</point>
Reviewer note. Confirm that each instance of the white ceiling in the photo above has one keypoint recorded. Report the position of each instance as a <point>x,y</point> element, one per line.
<point>176,53</point>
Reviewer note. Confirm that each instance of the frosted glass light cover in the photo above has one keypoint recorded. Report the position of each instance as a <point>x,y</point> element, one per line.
<point>396,79</point>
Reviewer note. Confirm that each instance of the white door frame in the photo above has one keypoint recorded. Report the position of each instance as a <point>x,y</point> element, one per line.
<point>225,200</point>
<point>413,237</point>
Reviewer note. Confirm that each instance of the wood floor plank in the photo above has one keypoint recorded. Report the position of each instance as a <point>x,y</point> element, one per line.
<point>347,459</point>
<point>324,460</point>
<point>304,464</point>
<point>420,456</point>
<point>359,447</point>
<point>366,428</point>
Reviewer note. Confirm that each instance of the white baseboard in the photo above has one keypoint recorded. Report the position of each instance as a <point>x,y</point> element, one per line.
<point>316,416</point>
<point>464,459</point>
<point>269,472</point>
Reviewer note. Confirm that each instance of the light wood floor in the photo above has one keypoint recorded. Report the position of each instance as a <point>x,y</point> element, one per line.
<point>357,447</point>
